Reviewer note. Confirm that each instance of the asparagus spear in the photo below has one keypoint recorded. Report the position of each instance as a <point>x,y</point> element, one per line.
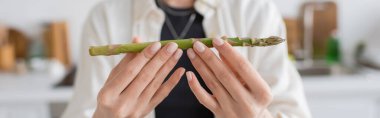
<point>183,44</point>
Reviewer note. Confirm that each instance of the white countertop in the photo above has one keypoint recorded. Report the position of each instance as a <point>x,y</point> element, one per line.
<point>39,87</point>
<point>362,85</point>
<point>32,87</point>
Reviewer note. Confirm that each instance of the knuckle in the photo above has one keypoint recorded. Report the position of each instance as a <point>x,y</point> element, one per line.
<point>141,81</point>
<point>155,84</point>
<point>265,98</point>
<point>145,77</point>
<point>164,92</point>
<point>165,69</point>
<point>223,75</point>
<point>163,57</point>
<point>268,97</point>
<point>103,98</point>
<point>208,56</point>
<point>171,83</point>
<point>104,103</point>
<point>212,85</point>
<point>131,71</point>
<point>242,64</point>
<point>147,55</point>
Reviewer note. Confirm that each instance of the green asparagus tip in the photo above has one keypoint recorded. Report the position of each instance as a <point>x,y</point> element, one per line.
<point>274,40</point>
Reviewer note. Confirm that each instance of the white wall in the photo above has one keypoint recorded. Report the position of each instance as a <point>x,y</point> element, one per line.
<point>357,18</point>
<point>356,21</point>
<point>289,8</point>
<point>29,16</point>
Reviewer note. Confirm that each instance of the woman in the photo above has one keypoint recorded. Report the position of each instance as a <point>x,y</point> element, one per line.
<point>243,82</point>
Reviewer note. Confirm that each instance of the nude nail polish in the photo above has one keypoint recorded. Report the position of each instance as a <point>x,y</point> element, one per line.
<point>199,46</point>
<point>155,47</point>
<point>172,47</point>
<point>218,42</point>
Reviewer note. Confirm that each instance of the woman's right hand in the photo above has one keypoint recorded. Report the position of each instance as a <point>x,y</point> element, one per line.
<point>135,86</point>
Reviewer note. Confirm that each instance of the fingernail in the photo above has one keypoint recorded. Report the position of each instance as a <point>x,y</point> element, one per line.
<point>218,42</point>
<point>172,47</point>
<point>199,46</point>
<point>155,47</point>
<point>178,54</point>
<point>190,53</point>
<point>188,76</point>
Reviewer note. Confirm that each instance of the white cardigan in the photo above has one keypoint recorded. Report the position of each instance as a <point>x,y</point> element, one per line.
<point>117,21</point>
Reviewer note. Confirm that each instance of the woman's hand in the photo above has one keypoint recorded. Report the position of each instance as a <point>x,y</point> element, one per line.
<point>237,89</point>
<point>135,86</point>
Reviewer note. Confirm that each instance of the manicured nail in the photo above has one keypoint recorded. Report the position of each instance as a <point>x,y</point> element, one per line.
<point>190,53</point>
<point>172,47</point>
<point>218,41</point>
<point>189,76</point>
<point>199,46</point>
<point>155,47</point>
<point>178,54</point>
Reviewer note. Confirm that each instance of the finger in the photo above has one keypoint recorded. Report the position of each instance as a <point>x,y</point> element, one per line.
<point>133,68</point>
<point>207,75</point>
<point>150,70</point>
<point>241,65</point>
<point>228,64</point>
<point>200,93</point>
<point>220,70</point>
<point>233,71</point>
<point>224,98</point>
<point>128,57</point>
<point>161,75</point>
<point>164,90</point>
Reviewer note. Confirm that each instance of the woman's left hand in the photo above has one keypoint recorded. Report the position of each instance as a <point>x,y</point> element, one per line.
<point>238,91</point>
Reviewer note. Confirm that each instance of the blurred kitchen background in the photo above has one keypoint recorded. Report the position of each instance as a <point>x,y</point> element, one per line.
<point>335,45</point>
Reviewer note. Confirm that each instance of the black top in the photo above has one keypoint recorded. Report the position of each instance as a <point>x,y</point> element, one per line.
<point>181,102</point>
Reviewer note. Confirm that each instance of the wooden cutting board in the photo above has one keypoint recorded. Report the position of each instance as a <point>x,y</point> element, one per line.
<point>20,42</point>
<point>324,23</point>
<point>56,41</point>
<point>293,35</point>
<point>7,57</point>
<point>3,35</point>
